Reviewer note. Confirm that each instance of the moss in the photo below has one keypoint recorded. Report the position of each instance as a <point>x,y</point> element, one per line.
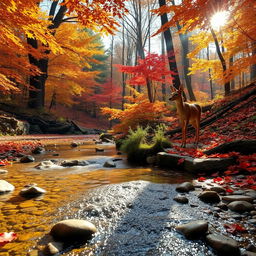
<point>138,148</point>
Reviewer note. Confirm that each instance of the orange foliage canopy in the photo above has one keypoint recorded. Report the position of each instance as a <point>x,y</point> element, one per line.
<point>138,112</point>
<point>22,19</point>
<point>238,35</point>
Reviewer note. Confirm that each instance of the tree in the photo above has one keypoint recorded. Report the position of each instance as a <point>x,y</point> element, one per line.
<point>70,74</point>
<point>237,36</point>
<point>21,19</point>
<point>152,68</point>
<point>96,15</point>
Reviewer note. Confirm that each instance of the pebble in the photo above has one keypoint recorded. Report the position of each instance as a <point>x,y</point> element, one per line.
<point>223,244</point>
<point>109,164</point>
<point>5,187</point>
<point>32,191</point>
<point>209,197</point>
<point>218,189</point>
<point>185,187</point>
<point>53,248</point>
<point>233,198</point>
<point>2,171</point>
<point>27,159</point>
<point>240,206</point>
<point>193,229</point>
<point>181,199</point>
<point>73,230</point>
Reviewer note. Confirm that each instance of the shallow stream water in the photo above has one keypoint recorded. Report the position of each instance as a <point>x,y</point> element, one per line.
<point>32,219</point>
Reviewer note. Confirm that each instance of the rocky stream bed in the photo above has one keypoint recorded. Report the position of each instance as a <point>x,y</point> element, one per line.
<point>135,210</point>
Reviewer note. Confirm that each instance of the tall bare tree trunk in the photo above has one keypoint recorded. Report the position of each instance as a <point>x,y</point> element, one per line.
<point>170,48</point>
<point>163,77</point>
<point>210,73</point>
<point>37,95</point>
<point>222,60</point>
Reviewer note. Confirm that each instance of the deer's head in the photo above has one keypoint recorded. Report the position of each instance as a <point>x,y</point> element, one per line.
<point>176,94</point>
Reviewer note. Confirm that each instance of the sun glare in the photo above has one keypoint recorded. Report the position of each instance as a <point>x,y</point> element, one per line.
<point>219,19</point>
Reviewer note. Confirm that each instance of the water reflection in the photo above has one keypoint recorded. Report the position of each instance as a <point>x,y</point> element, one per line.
<point>32,218</point>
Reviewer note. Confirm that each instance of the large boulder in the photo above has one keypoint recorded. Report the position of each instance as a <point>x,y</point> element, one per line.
<point>193,229</point>
<point>223,245</point>
<point>73,230</point>
<point>191,164</point>
<point>13,126</point>
<point>5,187</point>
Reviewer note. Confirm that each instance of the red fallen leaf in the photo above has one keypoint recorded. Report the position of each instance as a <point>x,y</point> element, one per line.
<point>201,179</point>
<point>215,174</point>
<point>7,237</point>
<point>181,160</point>
<point>218,179</point>
<point>228,190</point>
<point>233,228</point>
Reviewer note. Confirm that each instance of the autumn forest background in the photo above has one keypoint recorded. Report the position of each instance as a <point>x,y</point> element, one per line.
<point>117,59</point>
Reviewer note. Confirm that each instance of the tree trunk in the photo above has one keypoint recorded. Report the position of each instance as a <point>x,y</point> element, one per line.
<point>123,75</point>
<point>222,60</point>
<point>170,48</point>
<point>163,77</point>
<point>210,74</point>
<point>37,83</point>
<point>253,66</point>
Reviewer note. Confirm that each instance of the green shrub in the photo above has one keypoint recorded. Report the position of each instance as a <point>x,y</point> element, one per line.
<point>138,148</point>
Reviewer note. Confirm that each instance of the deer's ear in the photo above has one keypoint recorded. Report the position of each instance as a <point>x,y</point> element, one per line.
<point>173,89</point>
<point>181,88</point>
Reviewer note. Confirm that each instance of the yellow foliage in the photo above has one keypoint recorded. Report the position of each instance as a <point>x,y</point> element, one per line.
<point>66,76</point>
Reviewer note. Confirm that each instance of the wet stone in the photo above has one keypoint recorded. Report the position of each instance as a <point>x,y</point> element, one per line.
<point>53,248</point>
<point>194,229</point>
<point>2,171</point>
<point>73,230</point>
<point>32,191</point>
<point>232,198</point>
<point>71,163</point>
<point>209,197</point>
<point>218,189</point>
<point>38,150</point>
<point>239,192</point>
<point>74,144</point>
<point>222,206</point>
<point>185,187</point>
<point>240,206</point>
<point>251,194</point>
<point>27,159</point>
<point>251,248</point>
<point>45,165</point>
<point>252,221</point>
<point>99,149</point>
<point>109,164</point>
<point>5,187</point>
<point>248,253</point>
<point>181,199</point>
<point>223,245</point>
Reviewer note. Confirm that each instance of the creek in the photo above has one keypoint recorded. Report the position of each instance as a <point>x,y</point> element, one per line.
<point>131,206</point>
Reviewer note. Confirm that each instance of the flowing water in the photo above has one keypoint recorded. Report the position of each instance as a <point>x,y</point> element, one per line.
<point>32,219</point>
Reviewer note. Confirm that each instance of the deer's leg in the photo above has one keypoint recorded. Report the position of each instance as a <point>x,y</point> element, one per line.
<point>184,133</point>
<point>197,130</point>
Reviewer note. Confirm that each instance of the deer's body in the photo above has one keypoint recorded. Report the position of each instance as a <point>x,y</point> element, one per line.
<point>188,114</point>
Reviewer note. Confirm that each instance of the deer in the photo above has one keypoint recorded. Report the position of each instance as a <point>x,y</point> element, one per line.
<point>188,113</point>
